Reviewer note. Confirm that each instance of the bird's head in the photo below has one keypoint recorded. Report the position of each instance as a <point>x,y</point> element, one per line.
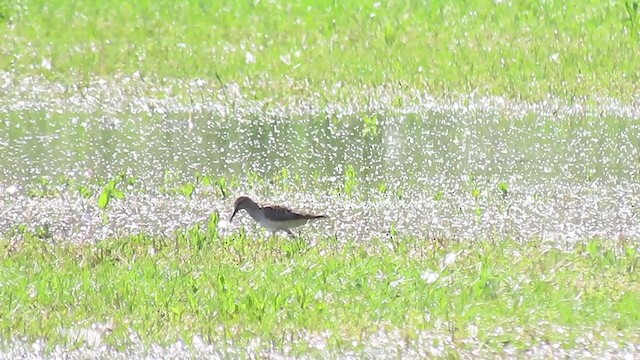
<point>241,203</point>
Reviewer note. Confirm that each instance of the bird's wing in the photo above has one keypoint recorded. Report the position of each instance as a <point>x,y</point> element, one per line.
<point>283,213</point>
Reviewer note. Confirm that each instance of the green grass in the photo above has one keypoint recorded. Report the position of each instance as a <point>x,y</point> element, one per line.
<point>518,49</point>
<point>238,288</point>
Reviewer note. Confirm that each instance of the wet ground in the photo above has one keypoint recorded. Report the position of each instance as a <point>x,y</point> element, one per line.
<point>460,168</point>
<point>422,166</point>
<point>379,345</point>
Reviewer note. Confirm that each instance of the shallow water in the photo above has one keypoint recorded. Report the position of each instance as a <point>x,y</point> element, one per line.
<point>381,344</point>
<point>423,166</point>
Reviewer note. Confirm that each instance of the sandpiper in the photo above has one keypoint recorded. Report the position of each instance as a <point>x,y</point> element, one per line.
<point>272,217</point>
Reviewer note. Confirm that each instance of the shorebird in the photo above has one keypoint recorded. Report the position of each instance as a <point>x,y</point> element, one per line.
<point>272,217</point>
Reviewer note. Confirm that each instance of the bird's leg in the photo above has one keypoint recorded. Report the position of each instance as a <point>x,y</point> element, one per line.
<point>269,241</point>
<point>291,234</point>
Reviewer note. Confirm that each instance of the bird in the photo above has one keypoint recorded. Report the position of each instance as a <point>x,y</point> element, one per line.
<point>273,217</point>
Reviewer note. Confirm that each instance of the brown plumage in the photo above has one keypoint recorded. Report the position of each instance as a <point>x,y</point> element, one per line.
<point>272,217</point>
<point>284,213</point>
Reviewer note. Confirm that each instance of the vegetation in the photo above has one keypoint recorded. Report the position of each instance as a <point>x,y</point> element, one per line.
<point>231,287</point>
<point>277,49</point>
<point>239,288</point>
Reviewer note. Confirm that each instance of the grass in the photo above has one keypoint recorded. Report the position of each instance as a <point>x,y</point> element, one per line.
<point>277,49</point>
<point>238,288</point>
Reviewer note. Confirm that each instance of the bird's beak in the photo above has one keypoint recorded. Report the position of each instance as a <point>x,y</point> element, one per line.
<point>234,214</point>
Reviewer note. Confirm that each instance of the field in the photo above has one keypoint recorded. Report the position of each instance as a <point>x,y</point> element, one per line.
<point>417,296</point>
<point>479,163</point>
<point>528,50</point>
